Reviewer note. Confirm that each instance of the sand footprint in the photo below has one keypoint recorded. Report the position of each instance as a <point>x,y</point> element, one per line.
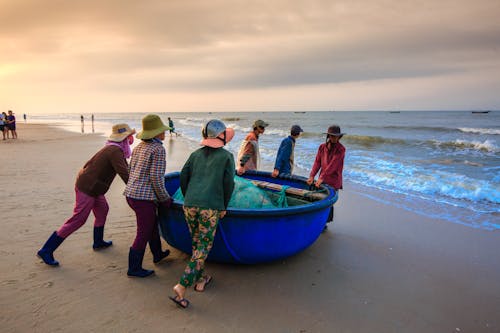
<point>8,282</point>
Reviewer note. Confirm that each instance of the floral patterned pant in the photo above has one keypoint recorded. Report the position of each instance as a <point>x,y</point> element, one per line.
<point>202,225</point>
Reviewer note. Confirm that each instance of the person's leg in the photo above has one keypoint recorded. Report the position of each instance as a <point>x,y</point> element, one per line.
<point>100,210</point>
<point>146,220</point>
<point>330,214</point>
<point>205,221</point>
<point>155,246</point>
<point>83,206</point>
<point>145,212</point>
<point>191,216</point>
<point>81,211</point>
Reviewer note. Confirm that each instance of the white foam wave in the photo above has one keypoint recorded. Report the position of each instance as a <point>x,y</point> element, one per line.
<point>492,131</point>
<point>478,145</point>
<point>192,122</point>
<point>486,146</point>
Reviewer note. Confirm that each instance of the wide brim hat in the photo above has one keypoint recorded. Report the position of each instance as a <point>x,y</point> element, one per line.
<point>120,132</point>
<point>151,127</point>
<point>334,130</point>
<point>218,141</point>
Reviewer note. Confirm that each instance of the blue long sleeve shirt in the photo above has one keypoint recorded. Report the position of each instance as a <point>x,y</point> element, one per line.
<point>284,160</point>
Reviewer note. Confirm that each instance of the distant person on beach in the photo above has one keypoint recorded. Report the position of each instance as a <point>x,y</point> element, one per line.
<point>329,162</point>
<point>24,116</point>
<point>92,119</point>
<point>284,159</point>
<point>81,119</point>
<point>207,182</point>
<point>249,155</point>
<point>146,193</point>
<point>172,127</point>
<point>92,182</point>
<point>11,124</point>
<point>3,124</point>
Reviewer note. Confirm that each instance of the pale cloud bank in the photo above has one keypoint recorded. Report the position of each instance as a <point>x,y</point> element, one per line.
<point>58,56</point>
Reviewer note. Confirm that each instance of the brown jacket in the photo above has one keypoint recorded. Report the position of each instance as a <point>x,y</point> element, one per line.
<point>98,173</point>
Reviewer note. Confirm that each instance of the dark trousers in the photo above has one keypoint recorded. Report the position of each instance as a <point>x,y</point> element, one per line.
<point>147,227</point>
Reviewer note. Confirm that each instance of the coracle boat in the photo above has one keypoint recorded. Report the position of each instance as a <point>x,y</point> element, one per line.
<point>251,236</point>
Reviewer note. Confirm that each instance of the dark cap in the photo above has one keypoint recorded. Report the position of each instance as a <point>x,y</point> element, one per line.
<point>334,130</point>
<point>296,130</point>
<point>260,123</point>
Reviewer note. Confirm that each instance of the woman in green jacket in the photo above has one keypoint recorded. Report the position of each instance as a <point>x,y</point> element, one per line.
<point>207,182</point>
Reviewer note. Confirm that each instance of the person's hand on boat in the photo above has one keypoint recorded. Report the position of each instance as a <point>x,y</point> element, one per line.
<point>318,182</point>
<point>222,213</point>
<point>240,170</point>
<point>310,180</point>
<point>275,173</point>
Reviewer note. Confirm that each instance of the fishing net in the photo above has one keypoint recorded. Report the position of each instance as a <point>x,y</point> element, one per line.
<point>248,195</point>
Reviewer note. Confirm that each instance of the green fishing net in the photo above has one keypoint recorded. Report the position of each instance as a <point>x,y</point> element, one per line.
<point>248,195</point>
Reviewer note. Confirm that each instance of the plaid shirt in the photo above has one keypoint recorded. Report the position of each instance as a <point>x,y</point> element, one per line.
<point>147,172</point>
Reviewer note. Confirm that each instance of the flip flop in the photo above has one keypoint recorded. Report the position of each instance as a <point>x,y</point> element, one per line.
<point>180,302</point>
<point>207,279</point>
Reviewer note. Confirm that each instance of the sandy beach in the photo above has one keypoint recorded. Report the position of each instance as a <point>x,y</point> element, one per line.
<point>378,268</point>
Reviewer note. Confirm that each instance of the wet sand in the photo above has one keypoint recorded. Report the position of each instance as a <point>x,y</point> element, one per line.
<point>378,268</point>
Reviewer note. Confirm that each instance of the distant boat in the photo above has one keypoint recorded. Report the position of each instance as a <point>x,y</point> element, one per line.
<point>480,111</point>
<point>299,112</point>
<point>394,111</point>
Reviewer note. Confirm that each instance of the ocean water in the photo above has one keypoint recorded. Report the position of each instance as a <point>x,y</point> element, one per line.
<point>440,164</point>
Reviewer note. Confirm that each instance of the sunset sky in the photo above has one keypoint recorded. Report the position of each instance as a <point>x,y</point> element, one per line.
<point>230,55</point>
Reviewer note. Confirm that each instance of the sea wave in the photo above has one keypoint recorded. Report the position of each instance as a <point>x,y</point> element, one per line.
<point>417,128</point>
<point>366,140</point>
<point>486,146</point>
<point>486,131</point>
<point>491,131</point>
<point>433,184</point>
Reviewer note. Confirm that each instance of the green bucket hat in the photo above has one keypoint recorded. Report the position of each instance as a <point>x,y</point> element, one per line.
<point>151,127</point>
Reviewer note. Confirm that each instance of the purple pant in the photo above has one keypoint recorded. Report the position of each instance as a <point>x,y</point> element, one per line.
<point>147,228</point>
<point>84,204</point>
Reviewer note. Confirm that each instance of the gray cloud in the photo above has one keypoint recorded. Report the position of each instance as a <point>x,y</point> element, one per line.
<point>211,45</point>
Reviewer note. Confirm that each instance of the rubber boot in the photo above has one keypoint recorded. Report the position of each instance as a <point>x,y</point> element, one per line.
<point>158,254</point>
<point>329,219</point>
<point>135,264</point>
<point>99,242</point>
<point>47,251</point>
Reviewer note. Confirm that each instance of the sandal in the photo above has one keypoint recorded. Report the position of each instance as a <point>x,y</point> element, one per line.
<point>207,280</point>
<point>183,303</point>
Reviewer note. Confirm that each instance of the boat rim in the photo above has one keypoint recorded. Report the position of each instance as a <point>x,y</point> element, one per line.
<point>301,209</point>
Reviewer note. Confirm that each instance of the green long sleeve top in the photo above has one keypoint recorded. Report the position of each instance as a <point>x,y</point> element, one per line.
<point>207,178</point>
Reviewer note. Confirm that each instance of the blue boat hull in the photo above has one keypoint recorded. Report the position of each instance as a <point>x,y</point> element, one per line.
<point>250,236</point>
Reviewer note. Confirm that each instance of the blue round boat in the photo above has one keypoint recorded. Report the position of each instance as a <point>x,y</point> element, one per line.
<point>250,236</point>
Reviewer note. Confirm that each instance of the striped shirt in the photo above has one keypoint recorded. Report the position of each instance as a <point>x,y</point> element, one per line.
<point>147,172</point>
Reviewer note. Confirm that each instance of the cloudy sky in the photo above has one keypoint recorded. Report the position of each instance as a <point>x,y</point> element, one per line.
<point>252,55</point>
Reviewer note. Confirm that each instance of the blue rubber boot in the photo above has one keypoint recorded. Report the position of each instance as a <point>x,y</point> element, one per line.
<point>135,264</point>
<point>99,242</point>
<point>47,251</point>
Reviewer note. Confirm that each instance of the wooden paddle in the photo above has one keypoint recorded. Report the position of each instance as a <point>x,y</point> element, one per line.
<point>306,194</point>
